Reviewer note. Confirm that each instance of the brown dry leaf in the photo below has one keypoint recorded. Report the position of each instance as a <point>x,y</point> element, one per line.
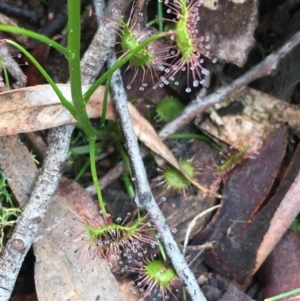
<point>238,131</point>
<point>56,276</point>
<point>37,108</point>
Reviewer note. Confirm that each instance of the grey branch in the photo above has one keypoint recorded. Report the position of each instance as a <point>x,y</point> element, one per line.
<point>144,197</point>
<point>104,39</point>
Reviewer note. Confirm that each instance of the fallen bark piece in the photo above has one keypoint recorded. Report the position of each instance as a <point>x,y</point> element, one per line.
<point>280,272</point>
<point>281,209</point>
<point>233,294</point>
<point>224,22</point>
<point>234,232</point>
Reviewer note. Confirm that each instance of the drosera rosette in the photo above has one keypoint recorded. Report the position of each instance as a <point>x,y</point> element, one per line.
<point>150,59</point>
<point>168,109</point>
<point>114,239</point>
<point>190,48</point>
<point>155,277</point>
<point>172,179</point>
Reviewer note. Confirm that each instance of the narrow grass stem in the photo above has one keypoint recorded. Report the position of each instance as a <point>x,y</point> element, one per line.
<point>284,295</point>
<point>6,79</point>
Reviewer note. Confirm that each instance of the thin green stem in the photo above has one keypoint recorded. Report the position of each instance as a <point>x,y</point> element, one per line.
<point>162,250</point>
<point>68,54</point>
<point>160,16</point>
<point>128,184</point>
<point>119,63</point>
<point>6,79</point>
<point>105,100</point>
<point>82,171</point>
<point>121,150</point>
<point>76,90</point>
<point>95,178</point>
<point>74,68</point>
<point>63,100</point>
<point>284,295</point>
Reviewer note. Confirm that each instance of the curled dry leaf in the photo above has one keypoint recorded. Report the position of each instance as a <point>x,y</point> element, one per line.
<point>247,118</point>
<point>37,108</point>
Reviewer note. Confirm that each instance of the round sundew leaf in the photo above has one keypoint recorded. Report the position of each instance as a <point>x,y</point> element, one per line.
<point>158,273</point>
<point>169,108</point>
<point>183,40</point>
<point>175,179</point>
<point>187,167</point>
<point>129,41</point>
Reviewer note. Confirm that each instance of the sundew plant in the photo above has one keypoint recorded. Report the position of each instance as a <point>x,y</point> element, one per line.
<point>182,50</point>
<point>163,56</point>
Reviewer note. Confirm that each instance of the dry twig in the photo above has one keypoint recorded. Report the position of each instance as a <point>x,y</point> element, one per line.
<point>144,197</point>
